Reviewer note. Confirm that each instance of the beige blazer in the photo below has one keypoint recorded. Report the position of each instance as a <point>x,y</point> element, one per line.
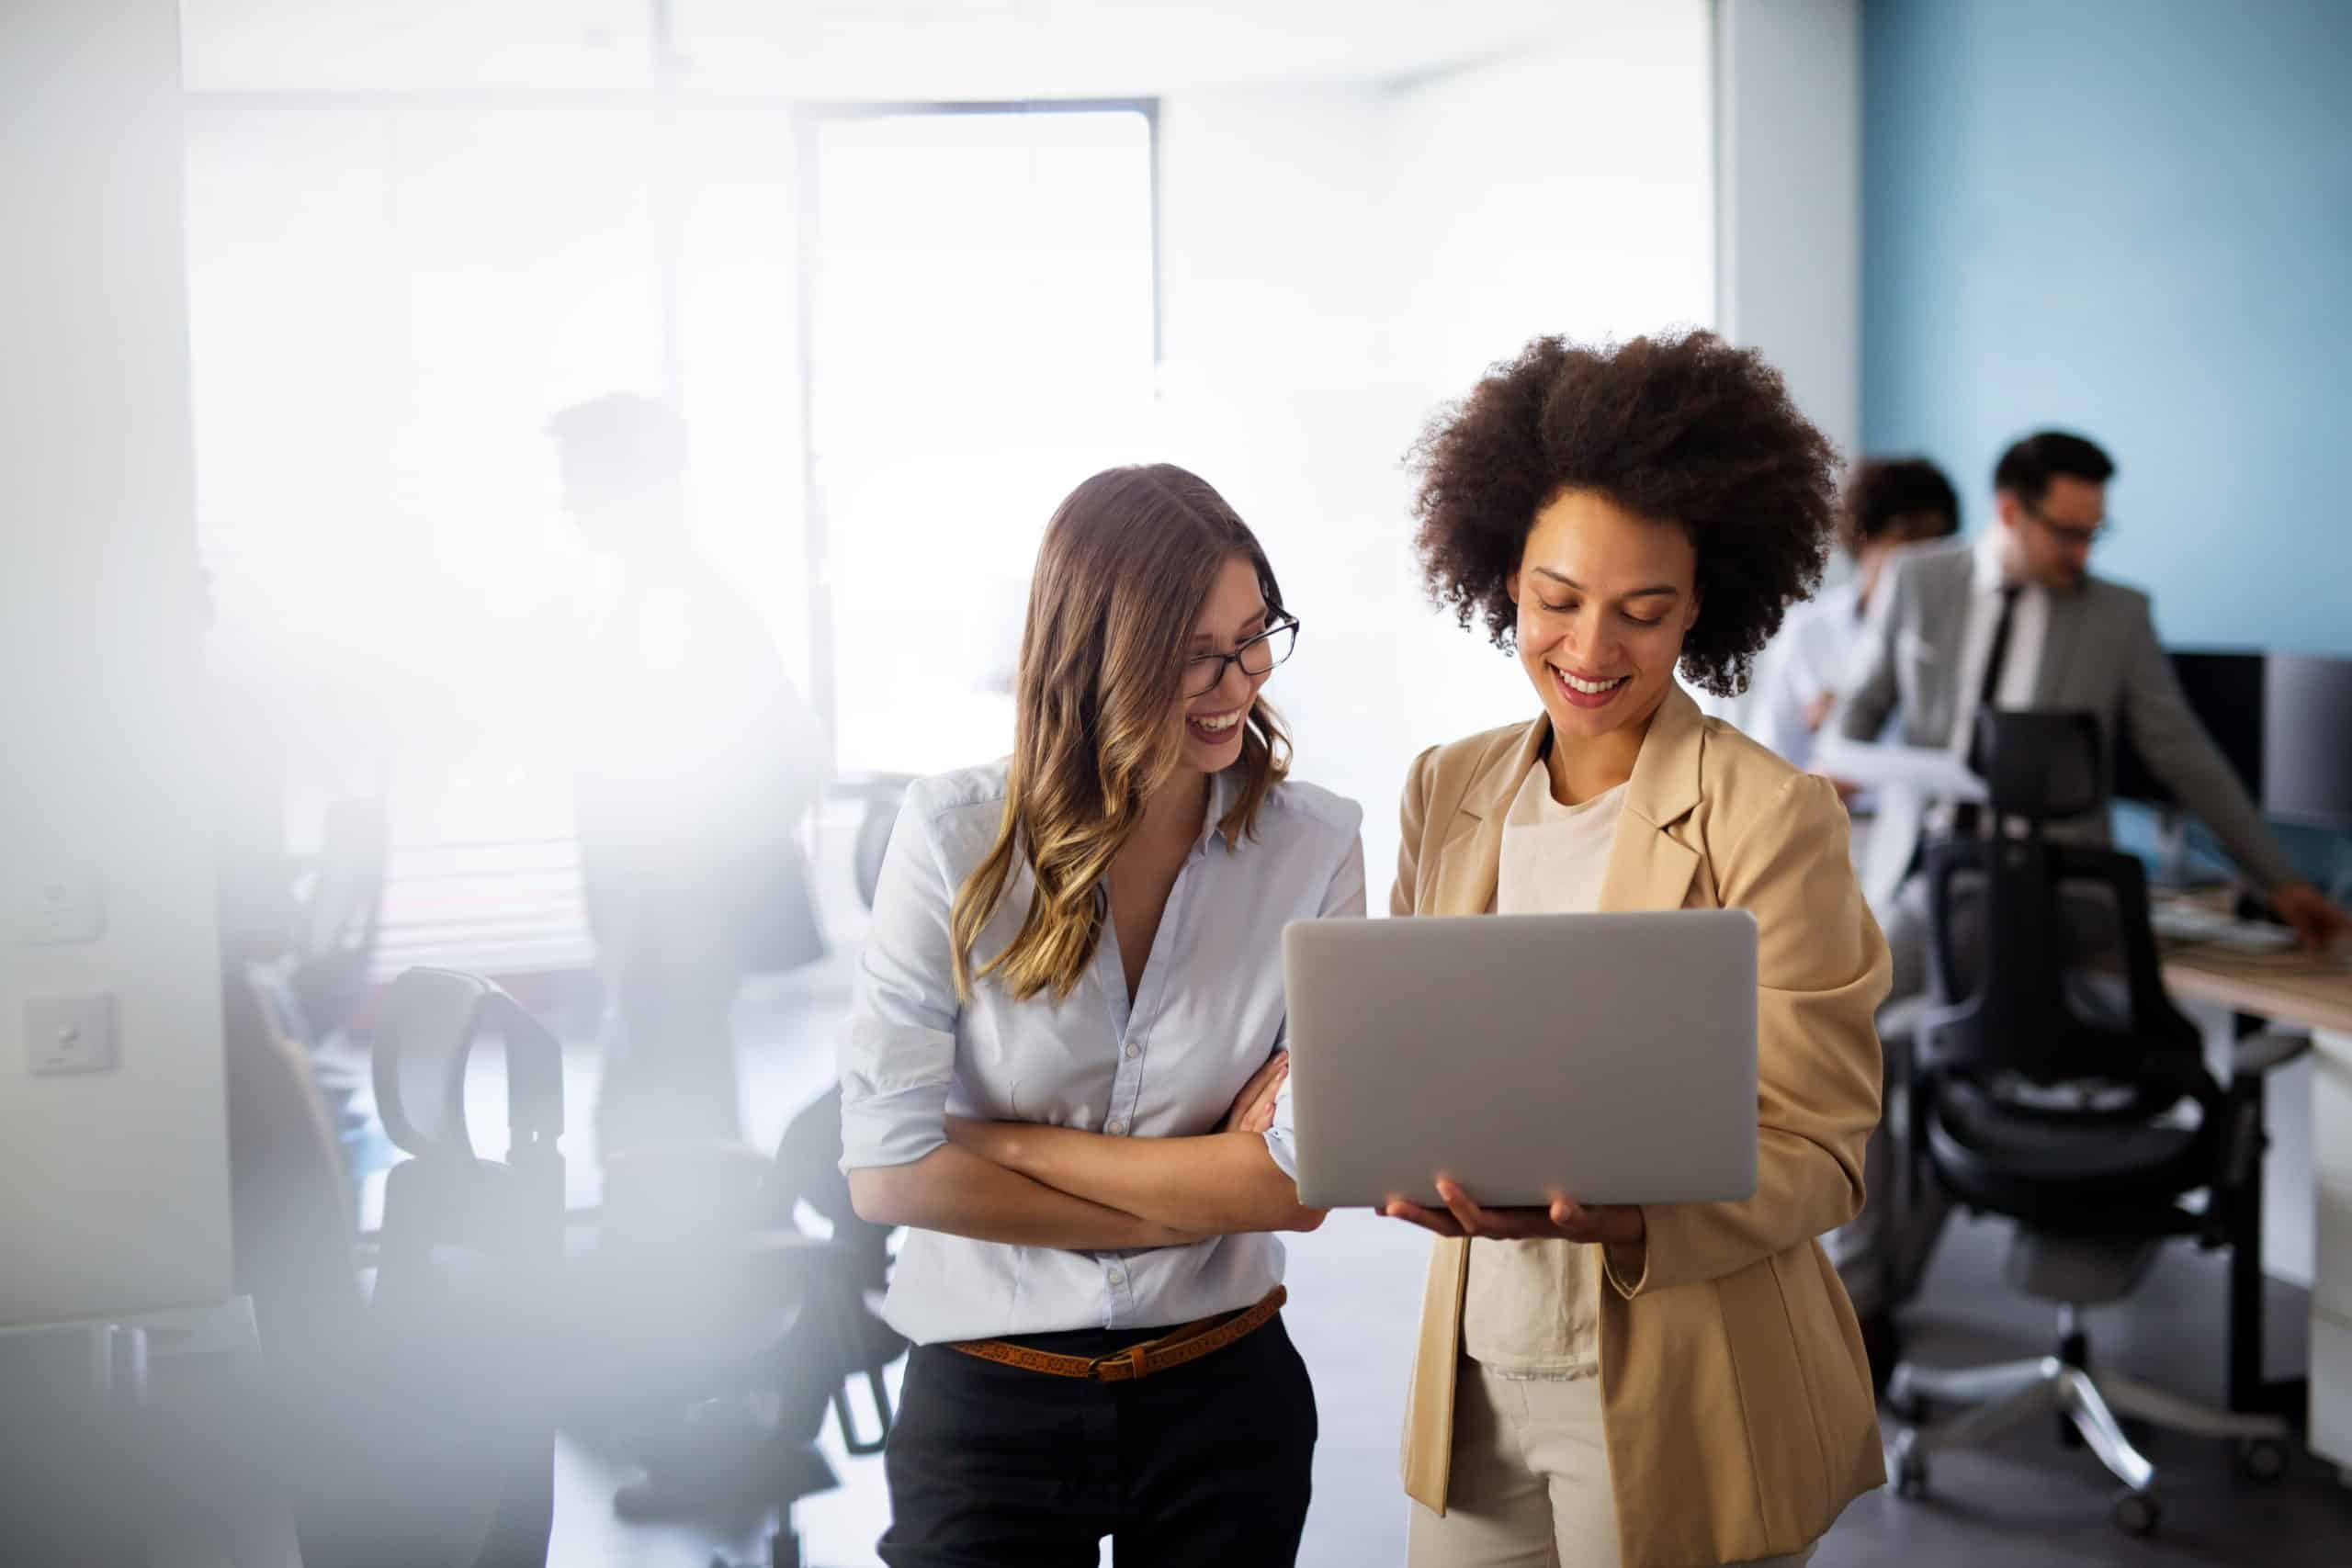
<point>1734,1386</point>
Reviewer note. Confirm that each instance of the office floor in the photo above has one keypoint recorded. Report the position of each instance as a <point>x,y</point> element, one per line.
<point>1355,1287</point>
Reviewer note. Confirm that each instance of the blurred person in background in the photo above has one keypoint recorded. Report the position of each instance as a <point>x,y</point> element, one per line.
<point>691,779</point>
<point>1889,503</point>
<point>1062,1067</point>
<point>2015,619</point>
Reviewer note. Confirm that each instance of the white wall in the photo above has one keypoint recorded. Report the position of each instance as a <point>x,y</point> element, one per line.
<point>1789,161</point>
<point>1560,190</point>
<point>1789,207</point>
<point>113,1187</point>
<point>1278,303</point>
<point>1340,262</point>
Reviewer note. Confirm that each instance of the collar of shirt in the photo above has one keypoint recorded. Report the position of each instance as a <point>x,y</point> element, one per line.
<point>1224,788</point>
<point>1985,575</point>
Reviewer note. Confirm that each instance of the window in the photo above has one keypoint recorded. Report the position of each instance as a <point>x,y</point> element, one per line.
<point>983,336</point>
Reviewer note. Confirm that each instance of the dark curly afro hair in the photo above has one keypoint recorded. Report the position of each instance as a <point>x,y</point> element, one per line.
<point>1680,428</point>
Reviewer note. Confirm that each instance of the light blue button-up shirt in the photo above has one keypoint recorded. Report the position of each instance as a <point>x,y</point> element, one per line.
<point>1207,1012</point>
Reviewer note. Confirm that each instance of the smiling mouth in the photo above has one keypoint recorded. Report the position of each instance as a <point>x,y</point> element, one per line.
<point>1584,693</point>
<point>1216,725</point>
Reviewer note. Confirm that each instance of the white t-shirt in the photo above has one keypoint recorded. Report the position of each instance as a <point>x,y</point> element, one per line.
<point>1531,1308</point>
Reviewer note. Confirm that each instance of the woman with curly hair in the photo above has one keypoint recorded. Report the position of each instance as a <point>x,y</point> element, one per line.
<point>1656,1385</point>
<point>1062,1072</point>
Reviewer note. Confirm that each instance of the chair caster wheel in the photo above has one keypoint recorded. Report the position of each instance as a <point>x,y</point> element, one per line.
<point>2262,1461</point>
<point>2137,1513</point>
<point>1908,1465</point>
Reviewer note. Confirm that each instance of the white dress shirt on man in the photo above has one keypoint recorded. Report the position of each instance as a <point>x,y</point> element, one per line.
<point>2028,630</point>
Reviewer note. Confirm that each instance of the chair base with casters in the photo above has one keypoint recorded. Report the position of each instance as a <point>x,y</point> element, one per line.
<point>2090,1407</point>
<point>771,1312</point>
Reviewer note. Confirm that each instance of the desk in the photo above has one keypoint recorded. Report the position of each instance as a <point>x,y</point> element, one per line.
<point>2303,992</point>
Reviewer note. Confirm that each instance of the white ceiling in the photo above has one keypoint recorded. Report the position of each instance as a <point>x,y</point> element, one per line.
<point>854,49</point>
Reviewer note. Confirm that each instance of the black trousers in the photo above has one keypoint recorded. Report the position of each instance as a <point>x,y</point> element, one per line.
<point>1210,1462</point>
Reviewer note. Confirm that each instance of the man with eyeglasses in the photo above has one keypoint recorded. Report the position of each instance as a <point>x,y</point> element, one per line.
<point>2014,619</point>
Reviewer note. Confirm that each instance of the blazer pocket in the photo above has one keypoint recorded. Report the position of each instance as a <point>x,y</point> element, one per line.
<point>1458,832</point>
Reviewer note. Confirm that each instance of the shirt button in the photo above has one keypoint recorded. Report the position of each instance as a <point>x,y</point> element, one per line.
<point>1133,1052</point>
<point>1117,1276</point>
<point>1118,1125</point>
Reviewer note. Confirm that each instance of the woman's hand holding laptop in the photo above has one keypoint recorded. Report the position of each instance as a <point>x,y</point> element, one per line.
<point>1613,1224</point>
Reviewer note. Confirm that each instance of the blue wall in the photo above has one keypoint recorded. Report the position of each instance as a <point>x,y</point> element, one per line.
<point>2132,217</point>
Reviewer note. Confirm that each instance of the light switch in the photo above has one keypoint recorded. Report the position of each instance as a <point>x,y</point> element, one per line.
<point>70,1035</point>
<point>59,908</point>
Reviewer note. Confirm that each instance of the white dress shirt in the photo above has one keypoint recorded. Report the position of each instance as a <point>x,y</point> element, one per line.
<point>1208,1011</point>
<point>1818,644</point>
<point>2028,630</point>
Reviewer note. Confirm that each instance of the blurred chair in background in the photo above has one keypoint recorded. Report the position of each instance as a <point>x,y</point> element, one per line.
<point>784,1318</point>
<point>2057,1084</point>
<point>414,1425</point>
<point>725,1332</point>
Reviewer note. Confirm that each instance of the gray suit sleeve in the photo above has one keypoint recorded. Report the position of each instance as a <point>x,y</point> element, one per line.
<point>2178,752</point>
<point>1871,689</point>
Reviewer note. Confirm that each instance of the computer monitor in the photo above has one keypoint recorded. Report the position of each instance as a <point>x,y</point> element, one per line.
<point>2225,688</point>
<point>2307,741</point>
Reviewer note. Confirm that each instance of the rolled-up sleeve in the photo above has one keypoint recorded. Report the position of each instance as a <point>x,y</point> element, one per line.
<point>1344,895</point>
<point>898,1051</point>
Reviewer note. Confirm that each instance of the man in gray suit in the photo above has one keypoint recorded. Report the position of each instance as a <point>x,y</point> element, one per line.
<point>2014,619</point>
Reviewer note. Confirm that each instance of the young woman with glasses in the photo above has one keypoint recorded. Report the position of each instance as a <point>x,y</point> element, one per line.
<point>1063,1069</point>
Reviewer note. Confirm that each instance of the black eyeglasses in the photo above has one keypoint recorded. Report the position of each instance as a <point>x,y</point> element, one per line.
<point>2068,533</point>
<point>1256,657</point>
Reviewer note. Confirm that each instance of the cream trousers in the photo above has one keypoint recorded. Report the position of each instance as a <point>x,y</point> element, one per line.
<point>1530,1486</point>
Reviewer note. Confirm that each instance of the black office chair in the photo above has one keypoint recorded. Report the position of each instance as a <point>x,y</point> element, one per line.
<point>414,1422</point>
<point>2057,1084</point>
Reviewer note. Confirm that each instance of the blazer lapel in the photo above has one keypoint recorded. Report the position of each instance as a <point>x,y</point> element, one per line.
<point>2065,626</point>
<point>1473,849</point>
<point>1954,594</point>
<point>1648,867</point>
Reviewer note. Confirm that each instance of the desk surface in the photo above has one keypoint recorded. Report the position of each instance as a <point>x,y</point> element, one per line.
<point>2308,990</point>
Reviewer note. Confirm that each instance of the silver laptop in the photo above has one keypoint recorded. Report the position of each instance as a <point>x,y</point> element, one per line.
<point>1611,1057</point>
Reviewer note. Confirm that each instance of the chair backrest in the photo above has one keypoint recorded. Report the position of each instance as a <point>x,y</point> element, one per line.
<point>806,1169</point>
<point>470,1274</point>
<point>425,1034</point>
<point>2042,963</point>
<point>2040,767</point>
<point>2041,966</point>
<point>445,1199</point>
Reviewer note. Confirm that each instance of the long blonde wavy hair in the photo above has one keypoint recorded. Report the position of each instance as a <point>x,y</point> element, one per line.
<point>1127,562</point>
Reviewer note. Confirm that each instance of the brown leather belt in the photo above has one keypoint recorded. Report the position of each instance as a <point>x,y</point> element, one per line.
<point>1188,1342</point>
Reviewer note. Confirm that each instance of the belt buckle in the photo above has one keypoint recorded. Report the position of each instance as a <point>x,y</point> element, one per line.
<point>1100,1370</point>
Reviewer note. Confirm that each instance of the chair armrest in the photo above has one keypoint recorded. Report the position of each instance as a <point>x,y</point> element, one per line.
<point>1898,1022</point>
<point>2259,1054</point>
